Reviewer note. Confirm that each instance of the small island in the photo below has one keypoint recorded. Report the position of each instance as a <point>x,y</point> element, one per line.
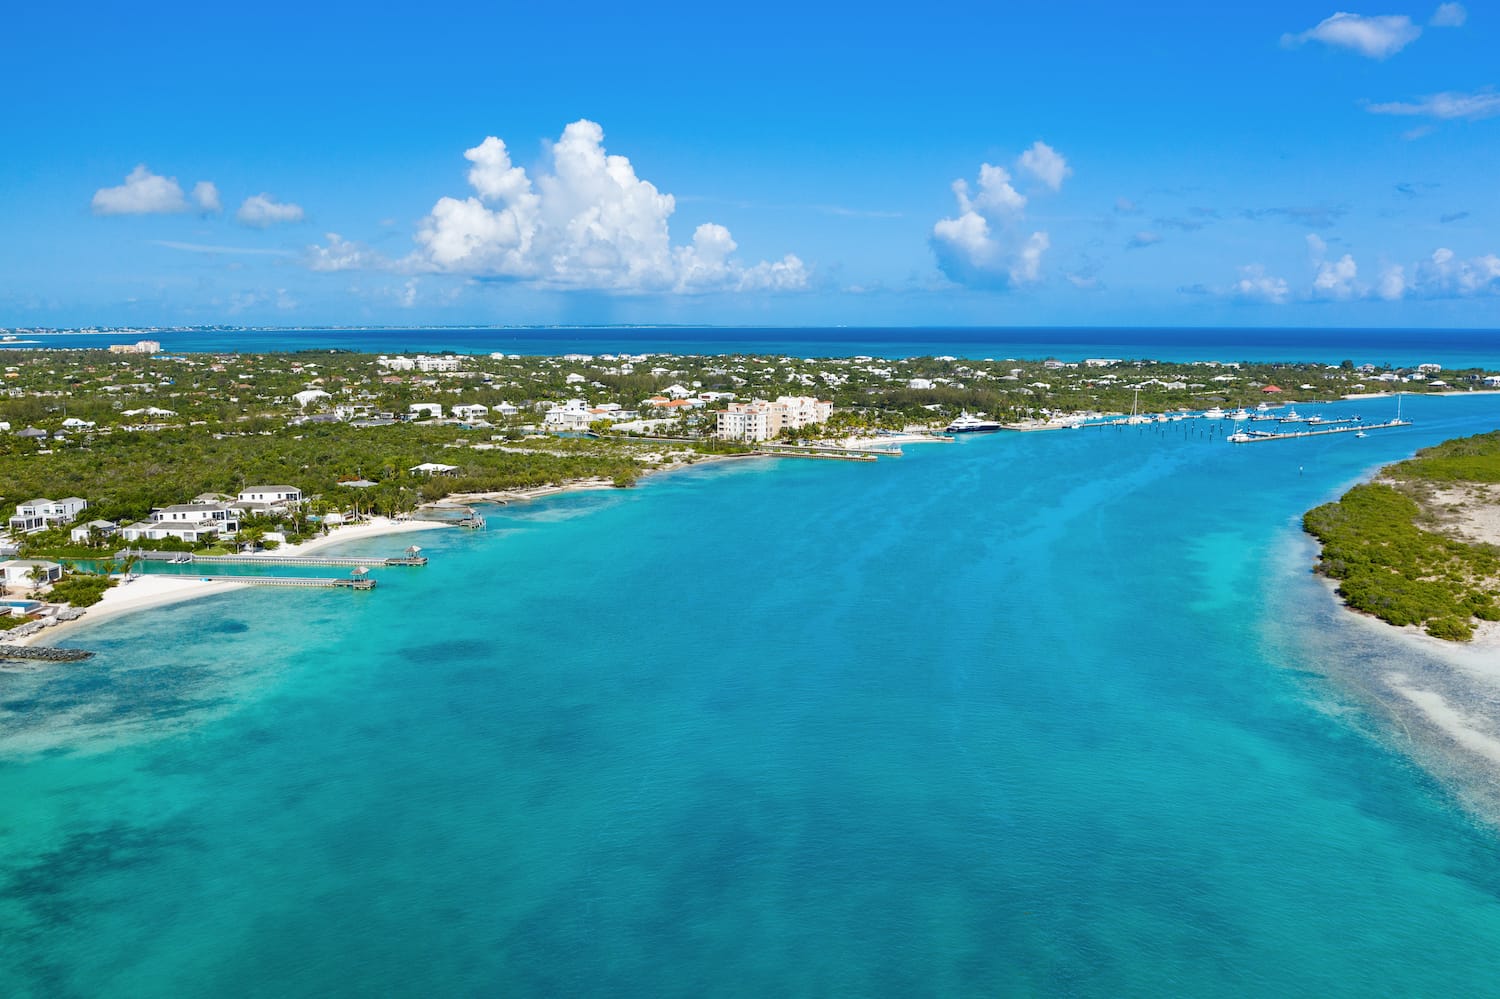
<point>1420,545</point>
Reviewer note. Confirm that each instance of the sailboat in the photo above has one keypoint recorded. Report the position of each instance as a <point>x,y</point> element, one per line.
<point>1136,418</point>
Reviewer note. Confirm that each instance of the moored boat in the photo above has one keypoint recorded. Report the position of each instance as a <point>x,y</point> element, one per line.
<point>966,424</point>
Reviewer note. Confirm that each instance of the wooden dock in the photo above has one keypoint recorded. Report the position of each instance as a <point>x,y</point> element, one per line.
<point>308,561</point>
<point>42,653</point>
<point>1256,436</point>
<point>356,582</point>
<point>832,453</point>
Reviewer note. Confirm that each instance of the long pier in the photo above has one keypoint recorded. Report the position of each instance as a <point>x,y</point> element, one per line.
<point>308,561</point>
<point>42,653</point>
<point>306,582</point>
<point>828,454</point>
<point>1255,437</point>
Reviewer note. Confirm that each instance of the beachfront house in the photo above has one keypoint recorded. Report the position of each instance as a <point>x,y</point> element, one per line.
<point>29,572</point>
<point>85,534</point>
<point>471,412</point>
<point>433,468</point>
<point>277,497</point>
<point>191,522</point>
<point>40,514</point>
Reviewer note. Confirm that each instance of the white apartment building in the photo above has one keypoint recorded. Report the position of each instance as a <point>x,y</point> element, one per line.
<point>743,422</point>
<point>759,420</point>
<point>139,347</point>
<point>421,362</point>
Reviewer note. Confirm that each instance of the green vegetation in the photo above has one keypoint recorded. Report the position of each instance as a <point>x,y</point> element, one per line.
<point>132,433</point>
<point>80,589</point>
<point>1389,566</point>
<point>1466,459</point>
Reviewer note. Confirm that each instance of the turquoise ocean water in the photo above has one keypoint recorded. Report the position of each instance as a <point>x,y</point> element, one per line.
<point>1450,348</point>
<point>1057,713</point>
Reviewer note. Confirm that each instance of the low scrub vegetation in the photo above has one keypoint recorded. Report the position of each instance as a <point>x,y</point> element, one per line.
<point>1390,567</point>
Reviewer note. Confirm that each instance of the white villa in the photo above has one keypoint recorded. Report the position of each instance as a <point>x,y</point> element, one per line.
<point>473,411</point>
<point>433,468</point>
<point>279,497</point>
<point>573,415</point>
<point>759,420</point>
<point>40,514</point>
<point>84,533</point>
<point>19,572</point>
<point>187,522</point>
<point>421,410</point>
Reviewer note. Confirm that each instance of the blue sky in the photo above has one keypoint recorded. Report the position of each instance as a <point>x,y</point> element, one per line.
<point>962,165</point>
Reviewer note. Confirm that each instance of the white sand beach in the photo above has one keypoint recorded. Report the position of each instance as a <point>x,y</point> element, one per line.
<point>144,592</point>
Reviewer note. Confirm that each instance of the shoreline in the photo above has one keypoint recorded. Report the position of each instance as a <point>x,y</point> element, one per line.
<point>147,591</point>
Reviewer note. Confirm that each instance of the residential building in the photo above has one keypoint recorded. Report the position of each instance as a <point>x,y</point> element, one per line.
<point>444,362</point>
<point>280,496</point>
<point>572,415</point>
<point>29,572</point>
<point>759,420</point>
<point>85,533</point>
<point>191,522</point>
<point>433,468</point>
<point>139,347</point>
<point>40,514</point>
<point>473,411</point>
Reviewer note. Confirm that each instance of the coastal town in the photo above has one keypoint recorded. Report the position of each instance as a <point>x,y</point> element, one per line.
<point>213,455</point>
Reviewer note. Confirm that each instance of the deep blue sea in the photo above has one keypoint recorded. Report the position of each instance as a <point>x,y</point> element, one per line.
<point>1450,348</point>
<point>1058,713</point>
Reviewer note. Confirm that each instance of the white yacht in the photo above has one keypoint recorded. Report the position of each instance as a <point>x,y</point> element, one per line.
<point>966,424</point>
<point>1213,414</point>
<point>1239,414</point>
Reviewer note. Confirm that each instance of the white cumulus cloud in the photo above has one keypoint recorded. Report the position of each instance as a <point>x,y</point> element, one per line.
<point>1392,284</point>
<point>1045,164</point>
<point>1449,15</point>
<point>1255,283</point>
<point>1445,275</point>
<point>206,197</point>
<point>986,244</point>
<point>342,255</point>
<point>1336,279</point>
<point>1376,37</point>
<point>143,193</point>
<point>262,210</point>
<point>587,222</point>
